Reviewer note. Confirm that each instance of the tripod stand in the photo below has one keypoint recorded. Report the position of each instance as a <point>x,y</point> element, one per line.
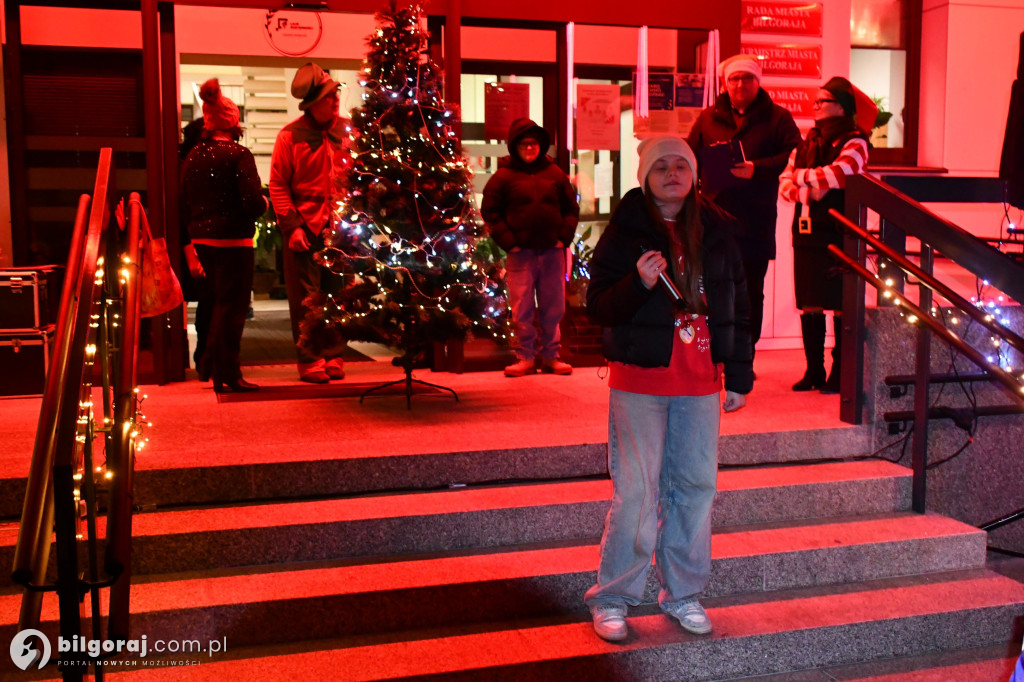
<point>406,362</point>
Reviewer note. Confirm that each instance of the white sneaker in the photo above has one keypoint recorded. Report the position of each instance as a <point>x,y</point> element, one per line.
<point>690,614</point>
<point>610,622</point>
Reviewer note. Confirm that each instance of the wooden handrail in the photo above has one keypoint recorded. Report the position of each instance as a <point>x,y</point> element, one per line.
<point>121,459</point>
<point>903,216</point>
<point>97,319</point>
<point>32,551</point>
<point>952,241</point>
<point>1008,381</point>
<point>958,301</point>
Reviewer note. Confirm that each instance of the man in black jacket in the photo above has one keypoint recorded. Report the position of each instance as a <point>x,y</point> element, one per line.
<point>531,210</point>
<point>768,134</point>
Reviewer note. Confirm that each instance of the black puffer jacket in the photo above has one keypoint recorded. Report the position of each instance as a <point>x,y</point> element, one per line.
<point>768,134</point>
<point>639,322</point>
<point>532,206</point>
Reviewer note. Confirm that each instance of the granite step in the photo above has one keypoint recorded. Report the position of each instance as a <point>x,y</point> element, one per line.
<point>993,663</point>
<point>491,516</point>
<point>767,633</point>
<point>278,474</point>
<point>250,608</point>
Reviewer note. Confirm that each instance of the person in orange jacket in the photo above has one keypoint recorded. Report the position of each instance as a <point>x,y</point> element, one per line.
<point>307,168</point>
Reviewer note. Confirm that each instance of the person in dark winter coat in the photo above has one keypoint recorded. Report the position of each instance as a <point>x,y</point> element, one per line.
<point>834,149</point>
<point>768,134</point>
<point>531,210</point>
<point>221,198</point>
<point>192,276</point>
<point>667,352</point>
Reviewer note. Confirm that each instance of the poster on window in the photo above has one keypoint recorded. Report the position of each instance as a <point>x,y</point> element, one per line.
<point>787,60</point>
<point>661,99</point>
<point>597,116</point>
<point>689,100</point>
<point>798,100</point>
<point>781,18</point>
<point>504,103</point>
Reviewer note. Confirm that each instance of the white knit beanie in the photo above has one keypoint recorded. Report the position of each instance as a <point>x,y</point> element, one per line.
<point>653,148</point>
<point>742,63</point>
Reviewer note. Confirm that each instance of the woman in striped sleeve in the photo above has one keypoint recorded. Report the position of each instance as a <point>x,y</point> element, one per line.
<point>833,149</point>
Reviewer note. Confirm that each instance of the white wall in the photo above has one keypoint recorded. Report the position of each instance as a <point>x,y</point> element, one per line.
<point>969,60</point>
<point>781,328</point>
<point>968,64</point>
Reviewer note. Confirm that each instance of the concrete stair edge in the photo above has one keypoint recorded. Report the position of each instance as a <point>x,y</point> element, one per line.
<point>280,477</point>
<point>791,631</point>
<point>262,607</point>
<point>171,541</point>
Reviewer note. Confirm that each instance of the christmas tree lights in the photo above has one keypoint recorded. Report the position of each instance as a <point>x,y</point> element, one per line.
<point>405,235</point>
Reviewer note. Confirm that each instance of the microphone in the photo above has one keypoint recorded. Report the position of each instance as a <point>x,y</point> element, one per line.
<point>666,282</point>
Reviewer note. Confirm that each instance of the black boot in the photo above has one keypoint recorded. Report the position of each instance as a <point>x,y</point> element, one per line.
<point>812,328</point>
<point>832,384</point>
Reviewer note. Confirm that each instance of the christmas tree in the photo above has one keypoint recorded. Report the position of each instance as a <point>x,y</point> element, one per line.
<point>406,237</point>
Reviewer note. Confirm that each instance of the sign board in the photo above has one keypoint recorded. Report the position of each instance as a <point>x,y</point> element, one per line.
<point>798,100</point>
<point>504,103</point>
<point>293,32</point>
<point>598,111</point>
<point>787,60</point>
<point>781,18</point>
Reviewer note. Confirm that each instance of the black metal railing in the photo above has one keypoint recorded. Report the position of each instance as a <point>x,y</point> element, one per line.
<point>97,320</point>
<point>900,217</point>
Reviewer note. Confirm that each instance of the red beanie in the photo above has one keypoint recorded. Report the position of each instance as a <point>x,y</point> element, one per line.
<point>219,113</point>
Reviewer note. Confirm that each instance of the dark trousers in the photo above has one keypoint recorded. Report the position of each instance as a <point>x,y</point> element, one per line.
<point>302,277</point>
<point>225,294</point>
<point>755,271</point>
<point>204,311</point>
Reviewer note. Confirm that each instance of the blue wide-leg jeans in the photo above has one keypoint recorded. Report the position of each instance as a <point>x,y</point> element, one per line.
<point>663,459</point>
<point>536,287</point>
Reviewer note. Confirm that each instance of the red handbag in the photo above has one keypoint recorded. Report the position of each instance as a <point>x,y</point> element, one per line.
<point>159,289</point>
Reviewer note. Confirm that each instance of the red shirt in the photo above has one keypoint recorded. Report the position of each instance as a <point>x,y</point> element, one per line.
<point>689,372</point>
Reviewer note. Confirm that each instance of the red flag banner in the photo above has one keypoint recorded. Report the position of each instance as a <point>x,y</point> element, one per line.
<point>798,100</point>
<point>781,18</point>
<point>787,60</point>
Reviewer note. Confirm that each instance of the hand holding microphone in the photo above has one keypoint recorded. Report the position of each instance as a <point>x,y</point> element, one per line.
<point>653,268</point>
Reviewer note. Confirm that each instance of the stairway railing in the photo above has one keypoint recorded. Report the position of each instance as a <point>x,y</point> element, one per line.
<point>902,216</point>
<point>98,318</point>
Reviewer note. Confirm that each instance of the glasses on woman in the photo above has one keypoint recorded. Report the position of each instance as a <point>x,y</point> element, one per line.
<point>819,103</point>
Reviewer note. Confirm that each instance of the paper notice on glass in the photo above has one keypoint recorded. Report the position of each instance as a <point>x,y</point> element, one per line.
<point>597,116</point>
<point>686,117</point>
<point>504,103</point>
<point>604,183</point>
<point>689,90</point>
